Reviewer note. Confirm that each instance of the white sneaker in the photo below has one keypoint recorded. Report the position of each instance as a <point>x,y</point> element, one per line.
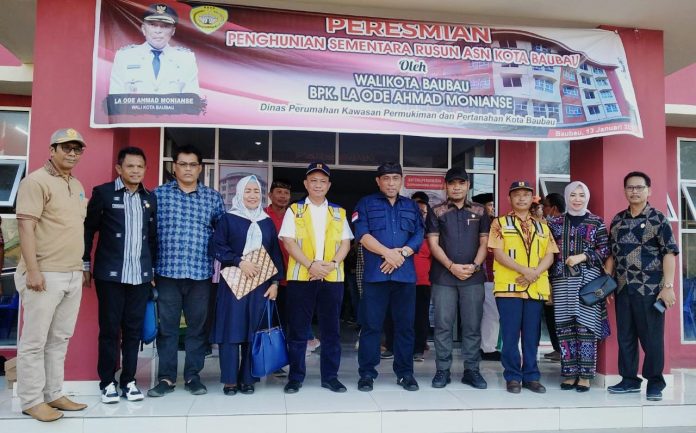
<point>132,393</point>
<point>109,395</point>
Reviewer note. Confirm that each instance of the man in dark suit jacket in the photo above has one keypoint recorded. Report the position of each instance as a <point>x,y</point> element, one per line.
<point>124,214</point>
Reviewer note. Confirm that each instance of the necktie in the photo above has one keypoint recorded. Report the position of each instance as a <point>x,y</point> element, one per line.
<point>156,62</point>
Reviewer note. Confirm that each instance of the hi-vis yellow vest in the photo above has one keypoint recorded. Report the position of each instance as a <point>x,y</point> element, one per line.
<point>304,236</point>
<point>515,248</point>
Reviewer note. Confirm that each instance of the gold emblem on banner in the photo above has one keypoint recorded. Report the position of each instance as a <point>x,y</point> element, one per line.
<point>208,18</point>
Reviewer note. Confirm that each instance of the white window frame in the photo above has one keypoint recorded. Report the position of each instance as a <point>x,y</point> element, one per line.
<point>672,215</point>
<point>681,185</point>
<point>577,110</point>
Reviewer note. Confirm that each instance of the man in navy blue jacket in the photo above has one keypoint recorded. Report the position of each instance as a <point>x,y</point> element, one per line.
<point>124,214</point>
<point>390,229</point>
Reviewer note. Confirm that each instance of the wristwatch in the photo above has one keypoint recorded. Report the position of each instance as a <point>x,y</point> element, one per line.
<point>335,263</point>
<point>476,267</point>
<point>666,285</point>
<point>405,253</point>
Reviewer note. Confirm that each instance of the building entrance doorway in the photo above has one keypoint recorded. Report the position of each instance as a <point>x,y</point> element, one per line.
<point>347,186</point>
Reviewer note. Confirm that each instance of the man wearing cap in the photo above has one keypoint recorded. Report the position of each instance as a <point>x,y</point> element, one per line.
<point>457,232</point>
<point>390,229</point>
<point>51,208</point>
<point>155,67</point>
<point>317,237</point>
<point>523,249</point>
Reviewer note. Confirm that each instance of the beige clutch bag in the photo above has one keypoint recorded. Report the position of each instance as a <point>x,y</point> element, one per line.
<point>240,284</point>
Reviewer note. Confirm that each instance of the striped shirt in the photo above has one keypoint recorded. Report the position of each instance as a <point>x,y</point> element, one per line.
<point>133,239</point>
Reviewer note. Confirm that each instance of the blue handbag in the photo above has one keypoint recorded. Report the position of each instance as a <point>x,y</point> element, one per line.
<point>151,320</point>
<point>597,290</point>
<point>269,351</point>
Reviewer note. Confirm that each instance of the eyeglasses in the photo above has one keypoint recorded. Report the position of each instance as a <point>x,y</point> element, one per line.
<point>635,188</point>
<point>67,148</point>
<point>191,165</point>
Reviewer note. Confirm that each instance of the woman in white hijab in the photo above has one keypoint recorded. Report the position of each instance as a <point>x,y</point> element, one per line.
<point>583,242</point>
<point>245,228</point>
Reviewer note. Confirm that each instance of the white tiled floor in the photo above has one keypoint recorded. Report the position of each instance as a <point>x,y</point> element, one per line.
<point>388,409</point>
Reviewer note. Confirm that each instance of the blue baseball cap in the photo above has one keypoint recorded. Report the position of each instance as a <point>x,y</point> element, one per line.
<point>318,166</point>
<point>521,184</point>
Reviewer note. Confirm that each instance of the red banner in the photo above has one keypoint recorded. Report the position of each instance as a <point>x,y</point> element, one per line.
<point>243,67</point>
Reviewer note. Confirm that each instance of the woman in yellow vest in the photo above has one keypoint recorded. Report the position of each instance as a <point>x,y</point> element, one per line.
<point>317,237</point>
<point>523,249</point>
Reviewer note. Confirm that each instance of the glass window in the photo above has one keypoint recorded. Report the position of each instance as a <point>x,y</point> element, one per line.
<point>367,149</point>
<point>201,138</point>
<point>473,154</point>
<point>570,91</point>
<point>304,146</point>
<point>243,145</point>
<point>688,255</point>
<point>482,184</point>
<point>14,132</point>
<point>425,152</point>
<point>569,74</point>
<point>512,81</point>
<point>543,85</point>
<point>688,206</point>
<point>611,108</point>
<point>11,172</point>
<point>554,157</point>
<point>593,109</point>
<point>549,185</point>
<point>586,80</point>
<point>573,111</point>
<point>687,159</point>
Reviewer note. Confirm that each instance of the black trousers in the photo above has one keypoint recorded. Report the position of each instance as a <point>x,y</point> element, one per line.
<point>638,321</point>
<point>121,314</point>
<point>551,326</point>
<point>421,322</point>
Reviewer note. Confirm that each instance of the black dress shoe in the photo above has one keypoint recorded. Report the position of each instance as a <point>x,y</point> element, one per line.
<point>490,356</point>
<point>582,388</point>
<point>229,390</point>
<point>334,385</point>
<point>534,386</point>
<point>292,387</point>
<point>568,386</point>
<point>365,384</point>
<point>474,378</point>
<point>441,379</point>
<point>246,388</point>
<point>408,383</point>
<point>513,386</point>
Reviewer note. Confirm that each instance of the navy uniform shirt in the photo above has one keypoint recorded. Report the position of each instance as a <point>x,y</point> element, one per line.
<point>394,226</point>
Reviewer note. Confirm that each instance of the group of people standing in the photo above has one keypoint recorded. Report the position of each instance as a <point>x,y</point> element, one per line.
<point>172,236</point>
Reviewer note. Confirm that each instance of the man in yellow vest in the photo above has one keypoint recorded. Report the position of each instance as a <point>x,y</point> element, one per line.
<point>523,249</point>
<point>317,237</point>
